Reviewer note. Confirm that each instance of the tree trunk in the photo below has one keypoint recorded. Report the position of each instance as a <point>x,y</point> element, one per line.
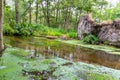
<point>48,17</point>
<point>57,11</point>
<point>44,13</point>
<point>1,25</point>
<point>40,14</point>
<point>67,17</point>
<point>4,3</point>
<point>17,12</point>
<point>37,11</point>
<point>30,14</point>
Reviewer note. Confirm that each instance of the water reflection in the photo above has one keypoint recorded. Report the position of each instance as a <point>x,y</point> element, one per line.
<point>49,48</point>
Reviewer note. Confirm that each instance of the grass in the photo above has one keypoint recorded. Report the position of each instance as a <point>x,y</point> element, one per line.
<point>48,31</point>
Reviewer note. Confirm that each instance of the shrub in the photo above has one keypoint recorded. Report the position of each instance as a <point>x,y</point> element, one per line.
<point>72,34</point>
<point>25,29</point>
<point>54,32</point>
<point>89,38</point>
<point>8,30</point>
<point>44,30</point>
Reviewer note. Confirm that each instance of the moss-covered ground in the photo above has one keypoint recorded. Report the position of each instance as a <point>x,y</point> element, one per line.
<point>16,65</point>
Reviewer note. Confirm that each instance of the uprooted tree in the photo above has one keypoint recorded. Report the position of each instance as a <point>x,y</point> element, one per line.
<point>106,31</point>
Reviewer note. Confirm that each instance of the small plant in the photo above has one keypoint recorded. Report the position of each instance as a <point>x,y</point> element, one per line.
<point>89,38</point>
<point>24,29</point>
<point>8,30</point>
<point>72,34</point>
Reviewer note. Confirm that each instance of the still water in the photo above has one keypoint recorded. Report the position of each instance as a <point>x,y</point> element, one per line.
<point>49,48</point>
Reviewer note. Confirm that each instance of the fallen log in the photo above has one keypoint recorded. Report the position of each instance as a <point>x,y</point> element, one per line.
<point>105,31</point>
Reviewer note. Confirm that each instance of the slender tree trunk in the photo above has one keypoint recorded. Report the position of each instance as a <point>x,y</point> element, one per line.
<point>54,8</point>
<point>17,12</point>
<point>101,7</point>
<point>30,14</point>
<point>37,11</point>
<point>40,14</point>
<point>57,11</point>
<point>44,13</point>
<point>59,18</point>
<point>67,17</point>
<point>76,15</point>
<point>48,17</point>
<point>4,3</point>
<point>1,24</point>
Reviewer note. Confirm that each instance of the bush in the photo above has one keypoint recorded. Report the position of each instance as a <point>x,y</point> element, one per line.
<point>91,39</point>
<point>47,31</point>
<point>40,30</point>
<point>54,32</point>
<point>8,30</point>
<point>72,34</point>
<point>25,29</point>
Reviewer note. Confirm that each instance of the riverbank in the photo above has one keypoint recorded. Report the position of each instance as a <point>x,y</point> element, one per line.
<point>108,49</point>
<point>39,30</point>
<point>16,64</point>
<point>102,47</point>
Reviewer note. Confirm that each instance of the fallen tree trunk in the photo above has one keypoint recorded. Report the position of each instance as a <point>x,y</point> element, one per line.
<point>106,31</point>
<point>85,26</point>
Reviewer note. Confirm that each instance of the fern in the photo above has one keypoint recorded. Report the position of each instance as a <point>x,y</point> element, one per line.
<point>89,38</point>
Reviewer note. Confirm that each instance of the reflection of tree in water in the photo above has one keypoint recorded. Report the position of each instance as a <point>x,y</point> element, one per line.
<point>69,52</point>
<point>79,54</point>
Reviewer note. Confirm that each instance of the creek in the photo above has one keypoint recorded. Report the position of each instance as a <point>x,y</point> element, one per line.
<point>48,48</point>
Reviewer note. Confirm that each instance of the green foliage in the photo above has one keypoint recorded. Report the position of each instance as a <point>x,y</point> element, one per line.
<point>72,34</point>
<point>24,29</point>
<point>93,76</point>
<point>54,13</point>
<point>8,30</point>
<point>54,32</point>
<point>89,38</point>
<point>47,31</point>
<point>60,15</point>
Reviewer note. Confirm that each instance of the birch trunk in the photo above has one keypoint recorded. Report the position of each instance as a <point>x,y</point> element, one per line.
<point>1,25</point>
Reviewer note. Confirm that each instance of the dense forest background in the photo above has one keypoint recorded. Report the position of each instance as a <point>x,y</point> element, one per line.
<point>28,17</point>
